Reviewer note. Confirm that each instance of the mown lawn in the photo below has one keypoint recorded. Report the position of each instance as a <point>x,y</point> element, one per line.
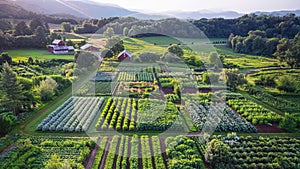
<point>24,54</point>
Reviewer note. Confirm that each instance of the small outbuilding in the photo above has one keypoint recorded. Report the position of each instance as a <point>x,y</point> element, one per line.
<point>125,55</point>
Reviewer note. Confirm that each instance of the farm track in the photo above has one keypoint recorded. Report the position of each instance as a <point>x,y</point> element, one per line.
<point>7,149</point>
<point>36,115</point>
<point>93,155</point>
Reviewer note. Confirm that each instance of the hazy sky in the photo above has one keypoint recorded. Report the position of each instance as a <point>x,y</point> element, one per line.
<point>242,6</point>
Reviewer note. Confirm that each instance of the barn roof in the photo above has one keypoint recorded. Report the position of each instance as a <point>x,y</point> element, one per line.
<point>86,46</point>
<point>126,52</point>
<point>56,41</point>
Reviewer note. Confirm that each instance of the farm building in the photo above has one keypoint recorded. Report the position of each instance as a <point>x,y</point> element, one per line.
<point>90,47</point>
<point>125,55</point>
<point>59,47</point>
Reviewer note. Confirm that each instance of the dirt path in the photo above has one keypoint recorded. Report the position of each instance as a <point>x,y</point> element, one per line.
<point>152,153</point>
<point>117,153</point>
<point>36,115</point>
<point>140,164</point>
<point>128,153</point>
<point>163,150</point>
<point>102,164</point>
<point>7,149</point>
<point>93,155</point>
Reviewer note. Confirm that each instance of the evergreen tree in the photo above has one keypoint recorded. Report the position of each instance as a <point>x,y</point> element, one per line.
<point>11,89</point>
<point>40,37</point>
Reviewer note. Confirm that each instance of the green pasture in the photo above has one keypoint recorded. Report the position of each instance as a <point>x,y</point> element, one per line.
<point>245,61</point>
<point>24,54</point>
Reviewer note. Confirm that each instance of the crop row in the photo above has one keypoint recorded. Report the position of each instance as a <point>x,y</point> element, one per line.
<point>125,152</point>
<point>223,118</point>
<point>34,152</point>
<point>182,153</point>
<point>263,152</point>
<point>118,114</point>
<point>251,111</point>
<point>157,115</point>
<point>74,115</point>
<point>135,76</point>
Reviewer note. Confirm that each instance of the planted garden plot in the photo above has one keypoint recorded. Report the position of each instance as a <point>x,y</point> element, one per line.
<point>135,76</point>
<point>130,152</point>
<point>225,118</point>
<point>118,114</point>
<point>104,76</point>
<point>34,152</point>
<point>182,153</point>
<point>122,114</point>
<point>135,89</point>
<point>263,152</point>
<point>74,115</point>
<point>251,111</point>
<point>155,115</point>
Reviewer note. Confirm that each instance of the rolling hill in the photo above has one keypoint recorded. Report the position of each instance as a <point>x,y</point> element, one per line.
<point>83,9</point>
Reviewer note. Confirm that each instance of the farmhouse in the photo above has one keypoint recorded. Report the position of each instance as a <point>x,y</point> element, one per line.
<point>59,47</point>
<point>125,55</point>
<point>90,47</point>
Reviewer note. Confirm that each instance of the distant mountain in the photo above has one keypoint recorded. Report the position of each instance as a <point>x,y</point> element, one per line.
<point>11,10</point>
<point>83,9</point>
<point>279,13</point>
<point>205,14</point>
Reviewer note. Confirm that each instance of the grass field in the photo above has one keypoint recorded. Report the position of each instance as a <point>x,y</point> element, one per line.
<point>138,46</point>
<point>24,54</point>
<point>164,40</point>
<point>245,61</point>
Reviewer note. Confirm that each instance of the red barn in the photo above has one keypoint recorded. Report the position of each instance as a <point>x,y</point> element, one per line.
<point>58,42</point>
<point>125,55</point>
<point>59,47</point>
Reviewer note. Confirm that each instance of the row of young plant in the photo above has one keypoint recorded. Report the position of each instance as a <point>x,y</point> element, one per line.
<point>125,152</point>
<point>222,116</point>
<point>74,115</point>
<point>34,152</point>
<point>263,152</point>
<point>118,114</point>
<point>274,101</point>
<point>153,69</point>
<point>250,110</point>
<point>182,153</point>
<point>100,152</point>
<point>114,145</point>
<point>146,153</point>
<point>135,76</point>
<point>123,159</point>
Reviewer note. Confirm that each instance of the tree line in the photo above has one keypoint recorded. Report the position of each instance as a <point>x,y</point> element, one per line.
<point>275,26</point>
<point>22,35</point>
